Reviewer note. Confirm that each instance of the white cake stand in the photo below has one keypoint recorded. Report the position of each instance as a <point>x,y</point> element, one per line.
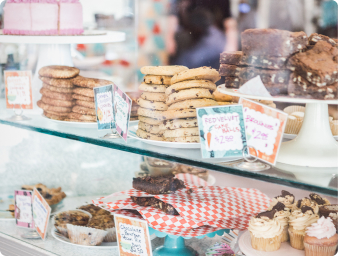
<point>314,146</point>
<point>55,50</point>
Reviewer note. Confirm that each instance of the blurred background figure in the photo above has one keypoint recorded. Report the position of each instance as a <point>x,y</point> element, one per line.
<point>198,31</point>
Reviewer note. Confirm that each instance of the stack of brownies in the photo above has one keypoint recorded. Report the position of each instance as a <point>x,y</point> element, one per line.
<point>153,99</point>
<point>190,89</point>
<point>57,90</point>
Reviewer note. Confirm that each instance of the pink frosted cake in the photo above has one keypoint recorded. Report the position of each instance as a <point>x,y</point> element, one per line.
<point>43,17</point>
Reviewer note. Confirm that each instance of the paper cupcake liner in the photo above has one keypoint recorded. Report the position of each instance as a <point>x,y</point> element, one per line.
<point>317,250</point>
<point>285,234</point>
<point>111,235</point>
<point>85,236</point>
<point>334,127</point>
<point>266,244</point>
<point>294,108</point>
<point>296,239</point>
<point>62,229</point>
<point>293,126</point>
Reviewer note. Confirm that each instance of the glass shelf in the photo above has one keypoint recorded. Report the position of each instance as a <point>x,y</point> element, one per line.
<point>321,180</point>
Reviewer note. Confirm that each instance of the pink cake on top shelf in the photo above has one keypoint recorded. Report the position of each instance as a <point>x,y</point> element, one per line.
<point>43,17</point>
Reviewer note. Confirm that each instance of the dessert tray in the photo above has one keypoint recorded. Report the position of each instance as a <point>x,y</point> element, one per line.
<point>284,250</point>
<point>73,123</point>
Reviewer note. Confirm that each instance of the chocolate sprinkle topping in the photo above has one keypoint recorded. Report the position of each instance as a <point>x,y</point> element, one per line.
<point>279,206</point>
<point>268,214</point>
<point>306,208</point>
<point>317,198</point>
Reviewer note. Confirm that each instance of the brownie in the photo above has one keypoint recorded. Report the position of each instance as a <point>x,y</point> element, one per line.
<point>233,57</point>
<point>317,65</point>
<point>300,88</point>
<point>232,82</point>
<point>267,62</point>
<point>268,77</point>
<point>229,70</point>
<point>158,185</point>
<point>314,38</point>
<point>156,203</point>
<point>272,42</point>
<point>102,222</point>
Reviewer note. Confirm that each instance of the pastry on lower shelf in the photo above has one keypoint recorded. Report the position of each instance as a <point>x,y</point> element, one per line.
<point>51,195</point>
<point>156,203</point>
<point>321,238</point>
<point>11,209</point>
<point>199,172</point>
<point>158,185</point>
<point>76,217</point>
<point>106,223</point>
<point>85,236</point>
<point>94,210</point>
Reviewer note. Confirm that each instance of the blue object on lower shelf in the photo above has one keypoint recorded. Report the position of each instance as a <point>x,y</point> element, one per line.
<point>175,246</point>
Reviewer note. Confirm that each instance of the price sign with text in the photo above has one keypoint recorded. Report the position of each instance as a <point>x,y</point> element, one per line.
<point>104,102</point>
<point>132,236</point>
<point>122,112</point>
<point>264,129</point>
<point>222,131</point>
<point>41,213</point>
<point>18,89</point>
<point>23,208</point>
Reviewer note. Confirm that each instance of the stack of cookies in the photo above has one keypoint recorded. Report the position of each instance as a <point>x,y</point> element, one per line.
<point>190,89</point>
<point>134,96</point>
<point>57,90</point>
<point>83,95</point>
<point>153,99</point>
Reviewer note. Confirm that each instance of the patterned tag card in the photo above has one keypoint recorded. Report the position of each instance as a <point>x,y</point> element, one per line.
<point>23,208</point>
<point>41,213</point>
<point>122,112</point>
<point>104,102</point>
<point>18,89</point>
<point>222,131</point>
<point>264,129</point>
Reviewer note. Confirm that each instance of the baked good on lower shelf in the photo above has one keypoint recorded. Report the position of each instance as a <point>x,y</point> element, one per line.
<point>85,236</point>
<point>11,209</point>
<point>76,217</point>
<point>199,172</point>
<point>51,195</point>
<point>158,185</point>
<point>156,203</point>
<point>106,223</point>
<point>94,210</point>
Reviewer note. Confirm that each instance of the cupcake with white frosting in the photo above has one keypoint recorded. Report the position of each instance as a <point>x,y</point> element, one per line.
<point>299,220</point>
<point>265,231</point>
<point>330,211</point>
<point>285,198</point>
<point>306,202</point>
<point>321,201</point>
<point>282,215</point>
<point>321,238</point>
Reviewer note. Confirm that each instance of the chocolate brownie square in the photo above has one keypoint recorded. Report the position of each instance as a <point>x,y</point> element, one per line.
<point>158,185</point>
<point>233,57</point>
<point>314,38</point>
<point>232,82</point>
<point>156,203</point>
<point>266,62</point>
<point>268,77</point>
<point>228,70</point>
<point>272,42</point>
<point>317,65</point>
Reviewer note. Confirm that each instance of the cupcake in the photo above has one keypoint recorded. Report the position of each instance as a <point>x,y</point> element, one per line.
<point>265,232</point>
<point>106,223</point>
<point>319,200</point>
<point>299,220</point>
<point>85,236</point>
<point>285,198</point>
<point>334,127</point>
<point>330,211</point>
<point>77,217</point>
<point>282,215</point>
<point>321,238</point>
<point>306,202</point>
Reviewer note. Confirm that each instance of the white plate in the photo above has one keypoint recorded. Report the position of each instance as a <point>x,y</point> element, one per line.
<point>73,123</point>
<point>132,134</point>
<point>61,238</point>
<point>284,250</point>
<point>293,136</point>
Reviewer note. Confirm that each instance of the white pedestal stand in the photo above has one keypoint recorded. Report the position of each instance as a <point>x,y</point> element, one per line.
<point>314,146</point>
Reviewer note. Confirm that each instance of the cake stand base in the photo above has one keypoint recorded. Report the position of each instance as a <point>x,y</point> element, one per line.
<point>314,146</point>
<point>174,247</point>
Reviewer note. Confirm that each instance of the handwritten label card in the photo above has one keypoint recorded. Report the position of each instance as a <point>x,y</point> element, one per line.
<point>122,112</point>
<point>104,102</point>
<point>41,213</point>
<point>23,208</point>
<point>264,129</point>
<point>132,236</point>
<point>222,131</point>
<point>18,89</point>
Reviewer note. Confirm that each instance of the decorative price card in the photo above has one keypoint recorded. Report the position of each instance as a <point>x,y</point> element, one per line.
<point>222,131</point>
<point>23,208</point>
<point>132,236</point>
<point>122,112</point>
<point>104,102</point>
<point>264,129</point>
<point>41,213</point>
<point>18,89</point>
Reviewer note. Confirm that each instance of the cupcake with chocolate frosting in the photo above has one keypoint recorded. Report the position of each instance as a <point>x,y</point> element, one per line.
<point>299,220</point>
<point>306,202</point>
<point>285,198</point>
<point>265,231</point>
<point>319,200</point>
<point>282,215</point>
<point>321,238</point>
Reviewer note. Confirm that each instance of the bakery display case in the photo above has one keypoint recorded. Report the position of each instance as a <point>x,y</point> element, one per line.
<point>159,174</point>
